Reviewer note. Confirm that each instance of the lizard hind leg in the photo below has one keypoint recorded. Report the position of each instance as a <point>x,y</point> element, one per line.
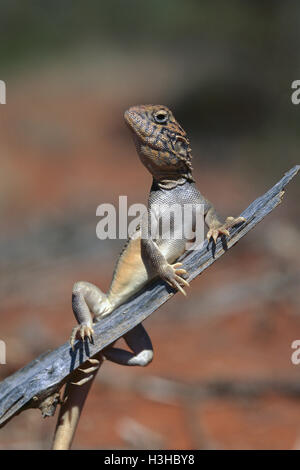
<point>87,300</point>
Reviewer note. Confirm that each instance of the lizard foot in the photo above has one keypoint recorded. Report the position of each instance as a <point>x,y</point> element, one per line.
<point>82,331</point>
<point>215,232</point>
<point>88,370</point>
<point>172,274</point>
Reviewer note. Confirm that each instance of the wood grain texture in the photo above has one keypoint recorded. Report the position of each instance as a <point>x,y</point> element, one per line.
<point>38,383</point>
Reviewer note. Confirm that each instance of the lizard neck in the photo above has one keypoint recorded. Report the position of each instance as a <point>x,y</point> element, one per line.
<point>172,181</point>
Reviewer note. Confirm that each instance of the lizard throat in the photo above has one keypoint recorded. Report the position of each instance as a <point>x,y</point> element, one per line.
<point>168,169</point>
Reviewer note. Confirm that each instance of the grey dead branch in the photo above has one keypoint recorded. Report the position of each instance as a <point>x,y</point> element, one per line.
<point>37,385</point>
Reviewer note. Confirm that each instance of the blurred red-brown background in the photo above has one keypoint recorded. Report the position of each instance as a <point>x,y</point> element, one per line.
<point>222,376</point>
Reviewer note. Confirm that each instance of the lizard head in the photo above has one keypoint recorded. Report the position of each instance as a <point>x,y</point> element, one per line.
<point>161,143</point>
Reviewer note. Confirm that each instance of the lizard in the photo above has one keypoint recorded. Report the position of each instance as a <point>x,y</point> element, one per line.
<point>164,149</point>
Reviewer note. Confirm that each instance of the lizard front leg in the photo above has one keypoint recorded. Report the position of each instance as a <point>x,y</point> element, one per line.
<point>158,265</point>
<point>156,253</point>
<point>216,226</point>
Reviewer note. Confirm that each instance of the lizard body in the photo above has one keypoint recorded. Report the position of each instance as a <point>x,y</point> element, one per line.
<point>164,149</point>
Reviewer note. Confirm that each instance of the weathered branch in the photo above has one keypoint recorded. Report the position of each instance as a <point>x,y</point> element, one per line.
<point>38,383</point>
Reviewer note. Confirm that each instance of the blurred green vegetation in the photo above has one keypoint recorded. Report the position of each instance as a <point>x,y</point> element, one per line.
<point>34,26</point>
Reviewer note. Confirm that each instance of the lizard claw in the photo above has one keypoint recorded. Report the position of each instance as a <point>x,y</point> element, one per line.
<point>89,369</point>
<point>82,381</point>
<point>215,232</point>
<point>90,372</point>
<point>92,360</point>
<point>172,274</point>
<point>83,330</point>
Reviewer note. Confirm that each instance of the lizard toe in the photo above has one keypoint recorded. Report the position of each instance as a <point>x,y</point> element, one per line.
<point>81,331</point>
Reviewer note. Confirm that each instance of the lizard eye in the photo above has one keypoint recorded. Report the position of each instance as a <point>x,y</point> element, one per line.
<point>161,116</point>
